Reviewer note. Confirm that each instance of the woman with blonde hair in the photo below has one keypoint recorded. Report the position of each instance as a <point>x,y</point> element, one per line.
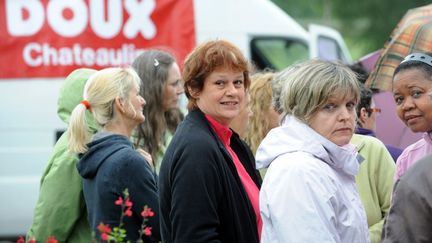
<point>264,115</point>
<point>309,192</point>
<point>109,164</point>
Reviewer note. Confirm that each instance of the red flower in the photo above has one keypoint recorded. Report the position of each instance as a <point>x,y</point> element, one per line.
<point>104,228</point>
<point>147,212</point>
<point>128,203</point>
<point>32,240</point>
<point>51,239</point>
<point>104,236</point>
<point>119,201</point>
<point>128,212</point>
<point>147,231</point>
<point>21,240</point>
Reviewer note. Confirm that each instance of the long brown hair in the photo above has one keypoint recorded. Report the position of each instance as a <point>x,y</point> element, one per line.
<point>153,67</point>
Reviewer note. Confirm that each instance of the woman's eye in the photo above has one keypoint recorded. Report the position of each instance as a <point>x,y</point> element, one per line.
<point>329,107</point>
<point>175,83</point>
<point>416,93</point>
<point>351,105</point>
<point>398,100</point>
<point>238,83</point>
<point>219,83</point>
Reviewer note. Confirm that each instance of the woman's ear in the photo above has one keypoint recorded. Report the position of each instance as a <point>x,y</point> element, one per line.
<point>119,103</point>
<point>363,115</point>
<point>193,92</point>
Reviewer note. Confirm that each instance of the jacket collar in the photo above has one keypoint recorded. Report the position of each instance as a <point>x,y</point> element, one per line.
<point>294,135</point>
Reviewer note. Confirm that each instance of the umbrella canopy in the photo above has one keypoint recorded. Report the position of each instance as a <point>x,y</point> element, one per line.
<point>412,34</point>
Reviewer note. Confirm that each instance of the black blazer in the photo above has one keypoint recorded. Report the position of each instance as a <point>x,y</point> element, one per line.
<point>202,198</point>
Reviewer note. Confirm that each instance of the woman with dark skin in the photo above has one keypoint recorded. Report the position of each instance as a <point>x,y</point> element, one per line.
<point>412,83</point>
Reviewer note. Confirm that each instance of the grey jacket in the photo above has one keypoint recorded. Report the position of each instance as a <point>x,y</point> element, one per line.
<point>410,216</point>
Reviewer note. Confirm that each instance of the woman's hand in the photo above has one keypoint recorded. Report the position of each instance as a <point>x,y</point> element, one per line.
<point>146,156</point>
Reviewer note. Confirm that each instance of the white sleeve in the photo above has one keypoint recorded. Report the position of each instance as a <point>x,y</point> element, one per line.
<point>297,204</point>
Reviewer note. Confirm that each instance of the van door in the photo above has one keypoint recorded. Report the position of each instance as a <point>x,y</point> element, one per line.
<point>327,44</point>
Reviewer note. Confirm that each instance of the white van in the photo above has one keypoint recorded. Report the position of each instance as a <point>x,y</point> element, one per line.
<point>43,41</point>
<point>266,34</point>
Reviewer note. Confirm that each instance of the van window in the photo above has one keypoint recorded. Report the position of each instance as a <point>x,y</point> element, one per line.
<point>329,49</point>
<point>277,53</point>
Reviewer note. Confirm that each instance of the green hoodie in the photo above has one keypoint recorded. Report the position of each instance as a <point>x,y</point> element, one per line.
<point>374,182</point>
<point>60,210</point>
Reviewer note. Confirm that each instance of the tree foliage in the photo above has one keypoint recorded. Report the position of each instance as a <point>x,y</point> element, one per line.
<point>365,24</point>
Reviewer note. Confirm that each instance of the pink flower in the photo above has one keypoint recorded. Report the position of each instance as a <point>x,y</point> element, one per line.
<point>147,231</point>
<point>21,240</point>
<point>128,212</point>
<point>104,236</point>
<point>119,201</point>
<point>128,203</point>
<point>147,212</point>
<point>104,228</point>
<point>51,239</point>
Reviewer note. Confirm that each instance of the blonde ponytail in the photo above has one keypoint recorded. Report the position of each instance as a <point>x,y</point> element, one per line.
<point>100,92</point>
<point>78,130</point>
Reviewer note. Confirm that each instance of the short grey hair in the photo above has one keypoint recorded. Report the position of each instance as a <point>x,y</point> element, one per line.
<point>301,89</point>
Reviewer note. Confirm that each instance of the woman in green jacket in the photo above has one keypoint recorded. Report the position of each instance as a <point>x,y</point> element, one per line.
<point>374,182</point>
<point>60,210</point>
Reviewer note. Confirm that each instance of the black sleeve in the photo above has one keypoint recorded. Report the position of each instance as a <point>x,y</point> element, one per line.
<point>196,191</point>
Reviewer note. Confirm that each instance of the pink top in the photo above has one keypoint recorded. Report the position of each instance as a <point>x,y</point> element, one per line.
<point>224,134</point>
<point>412,154</point>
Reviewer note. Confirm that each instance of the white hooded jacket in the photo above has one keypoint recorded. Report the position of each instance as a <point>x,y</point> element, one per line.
<point>309,192</point>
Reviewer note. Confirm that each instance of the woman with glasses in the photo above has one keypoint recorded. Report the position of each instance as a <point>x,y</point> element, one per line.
<point>367,114</point>
<point>375,178</point>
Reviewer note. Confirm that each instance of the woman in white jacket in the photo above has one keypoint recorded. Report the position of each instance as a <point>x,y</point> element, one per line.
<point>309,192</point>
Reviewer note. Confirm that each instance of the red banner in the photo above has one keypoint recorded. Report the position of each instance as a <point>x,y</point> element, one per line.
<point>50,38</point>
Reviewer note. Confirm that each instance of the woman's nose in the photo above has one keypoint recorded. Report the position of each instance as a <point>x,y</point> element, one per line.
<point>408,104</point>
<point>345,113</point>
<point>143,101</point>
<point>231,89</point>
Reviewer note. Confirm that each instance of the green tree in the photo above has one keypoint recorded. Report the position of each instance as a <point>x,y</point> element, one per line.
<point>373,20</point>
<point>365,24</point>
